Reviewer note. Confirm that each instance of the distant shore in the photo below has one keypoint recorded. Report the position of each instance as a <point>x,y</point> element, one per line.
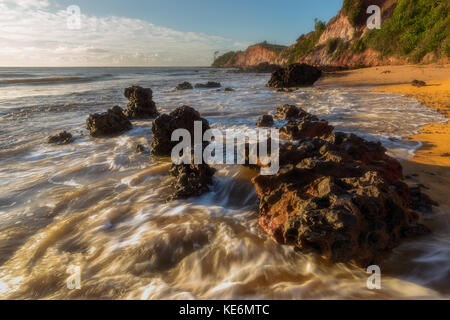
<point>431,164</point>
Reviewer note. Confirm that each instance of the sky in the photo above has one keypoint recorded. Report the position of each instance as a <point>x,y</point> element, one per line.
<point>147,32</point>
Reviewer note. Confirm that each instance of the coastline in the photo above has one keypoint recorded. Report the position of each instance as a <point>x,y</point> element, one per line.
<point>430,167</point>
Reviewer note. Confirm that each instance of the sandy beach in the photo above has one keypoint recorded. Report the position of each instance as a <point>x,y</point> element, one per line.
<point>431,164</point>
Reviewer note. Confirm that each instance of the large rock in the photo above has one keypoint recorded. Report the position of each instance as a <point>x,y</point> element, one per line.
<point>265,121</point>
<point>163,127</point>
<point>294,75</point>
<point>191,180</point>
<point>339,196</point>
<point>108,123</point>
<point>296,130</point>
<point>141,105</point>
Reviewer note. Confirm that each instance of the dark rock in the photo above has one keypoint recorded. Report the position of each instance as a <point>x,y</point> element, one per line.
<point>291,112</point>
<point>208,85</point>
<point>294,75</point>
<point>61,138</point>
<point>185,86</point>
<point>141,149</point>
<point>191,180</point>
<point>305,129</point>
<point>163,127</point>
<point>108,123</point>
<point>141,105</point>
<point>265,121</point>
<point>229,90</point>
<point>418,83</point>
<point>340,196</point>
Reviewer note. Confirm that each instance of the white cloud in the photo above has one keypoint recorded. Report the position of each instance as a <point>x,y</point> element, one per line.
<point>35,33</point>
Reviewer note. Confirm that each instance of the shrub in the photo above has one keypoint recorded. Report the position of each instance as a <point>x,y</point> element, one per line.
<point>332,45</point>
<point>359,46</point>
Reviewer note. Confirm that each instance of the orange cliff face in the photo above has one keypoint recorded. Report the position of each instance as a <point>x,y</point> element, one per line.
<point>253,56</point>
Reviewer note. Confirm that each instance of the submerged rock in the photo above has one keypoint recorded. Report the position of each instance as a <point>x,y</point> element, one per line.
<point>185,86</point>
<point>228,90</point>
<point>108,123</point>
<point>61,138</point>
<point>163,127</point>
<point>208,85</point>
<point>294,75</point>
<point>141,105</point>
<point>337,195</point>
<point>191,180</point>
<point>418,83</point>
<point>265,121</point>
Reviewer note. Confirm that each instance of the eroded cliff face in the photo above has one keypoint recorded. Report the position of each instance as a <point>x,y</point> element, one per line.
<point>253,56</point>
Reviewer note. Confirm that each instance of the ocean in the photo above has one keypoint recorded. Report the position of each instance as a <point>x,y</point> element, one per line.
<point>98,205</point>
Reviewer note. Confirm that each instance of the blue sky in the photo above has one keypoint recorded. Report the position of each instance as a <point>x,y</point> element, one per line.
<point>150,32</point>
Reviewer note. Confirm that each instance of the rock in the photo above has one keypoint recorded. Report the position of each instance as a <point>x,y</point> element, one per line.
<point>108,123</point>
<point>418,83</point>
<point>191,180</point>
<point>265,121</point>
<point>294,75</point>
<point>61,138</point>
<point>291,112</point>
<point>141,105</point>
<point>305,129</point>
<point>185,86</point>
<point>163,127</point>
<point>142,150</point>
<point>340,196</point>
<point>229,90</point>
<point>208,85</point>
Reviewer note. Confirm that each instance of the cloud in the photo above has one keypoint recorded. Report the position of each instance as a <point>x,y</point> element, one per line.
<point>36,33</point>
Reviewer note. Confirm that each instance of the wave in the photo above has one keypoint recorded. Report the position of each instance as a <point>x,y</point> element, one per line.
<point>48,80</point>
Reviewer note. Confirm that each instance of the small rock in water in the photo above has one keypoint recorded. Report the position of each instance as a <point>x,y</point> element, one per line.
<point>185,86</point>
<point>108,123</point>
<point>191,180</point>
<point>141,105</point>
<point>418,83</point>
<point>229,90</point>
<point>141,149</point>
<point>61,138</point>
<point>265,121</point>
<point>208,85</point>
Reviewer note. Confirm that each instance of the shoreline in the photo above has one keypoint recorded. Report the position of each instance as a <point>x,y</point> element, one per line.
<point>430,166</point>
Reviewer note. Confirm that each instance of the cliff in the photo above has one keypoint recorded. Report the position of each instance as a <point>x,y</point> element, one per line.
<point>412,31</point>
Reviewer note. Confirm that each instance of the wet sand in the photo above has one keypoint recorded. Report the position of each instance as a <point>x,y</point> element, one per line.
<point>431,164</point>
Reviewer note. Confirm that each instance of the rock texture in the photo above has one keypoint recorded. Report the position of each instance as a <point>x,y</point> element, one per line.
<point>184,86</point>
<point>337,195</point>
<point>163,127</point>
<point>418,83</point>
<point>208,85</point>
<point>141,105</point>
<point>191,180</point>
<point>109,123</point>
<point>265,121</point>
<point>294,75</point>
<point>61,138</point>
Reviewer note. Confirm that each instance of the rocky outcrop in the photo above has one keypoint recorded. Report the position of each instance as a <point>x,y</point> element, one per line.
<point>141,105</point>
<point>418,83</point>
<point>108,123</point>
<point>191,180</point>
<point>208,85</point>
<point>265,121</point>
<point>61,138</point>
<point>294,75</point>
<point>185,86</point>
<point>305,128</point>
<point>338,195</point>
<point>163,127</point>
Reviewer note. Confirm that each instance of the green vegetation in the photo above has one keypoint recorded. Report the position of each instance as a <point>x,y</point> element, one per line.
<point>332,45</point>
<point>272,47</point>
<point>416,28</point>
<point>224,59</point>
<point>447,50</point>
<point>305,43</point>
<point>358,46</point>
<point>352,9</point>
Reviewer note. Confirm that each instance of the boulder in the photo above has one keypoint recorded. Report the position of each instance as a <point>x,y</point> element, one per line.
<point>265,121</point>
<point>291,112</point>
<point>296,130</point>
<point>163,127</point>
<point>108,123</point>
<point>191,180</point>
<point>141,105</point>
<point>61,138</point>
<point>208,85</point>
<point>295,75</point>
<point>339,196</point>
<point>185,86</point>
